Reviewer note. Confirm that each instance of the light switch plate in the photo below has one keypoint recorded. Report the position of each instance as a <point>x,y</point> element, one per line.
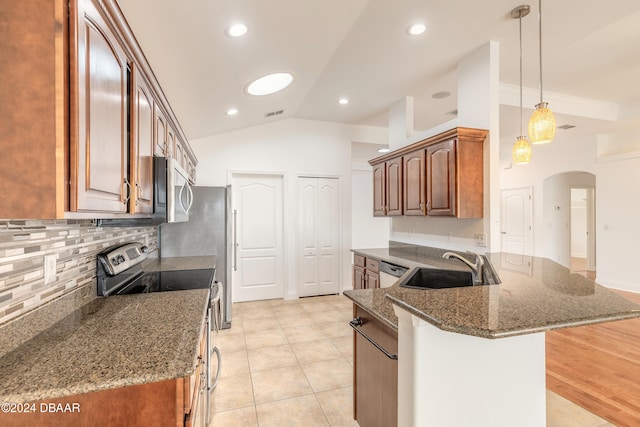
<point>49,268</point>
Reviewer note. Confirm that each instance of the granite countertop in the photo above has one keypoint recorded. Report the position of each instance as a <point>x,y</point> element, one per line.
<point>105,343</point>
<point>536,294</point>
<point>108,343</point>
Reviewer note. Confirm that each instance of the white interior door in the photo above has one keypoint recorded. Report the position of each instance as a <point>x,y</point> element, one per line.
<point>516,227</point>
<point>319,232</point>
<point>258,237</point>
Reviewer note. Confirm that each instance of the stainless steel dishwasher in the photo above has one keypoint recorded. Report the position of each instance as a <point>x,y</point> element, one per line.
<point>390,273</point>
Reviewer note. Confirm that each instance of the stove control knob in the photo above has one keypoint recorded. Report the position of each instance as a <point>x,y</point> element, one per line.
<point>121,259</point>
<point>144,249</point>
<point>115,260</point>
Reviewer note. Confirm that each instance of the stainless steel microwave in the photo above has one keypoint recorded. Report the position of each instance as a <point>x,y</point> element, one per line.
<point>172,195</point>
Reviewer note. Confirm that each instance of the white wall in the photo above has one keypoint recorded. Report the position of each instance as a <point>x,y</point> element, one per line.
<point>617,195</point>
<point>564,154</point>
<point>292,147</point>
<point>367,231</point>
<point>618,222</point>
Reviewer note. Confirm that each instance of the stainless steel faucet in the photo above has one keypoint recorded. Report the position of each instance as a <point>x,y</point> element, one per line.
<point>477,269</point>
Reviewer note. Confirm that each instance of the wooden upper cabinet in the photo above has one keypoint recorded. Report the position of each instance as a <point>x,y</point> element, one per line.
<point>80,148</point>
<point>379,190</point>
<point>414,183</point>
<point>441,176</point>
<point>394,187</point>
<point>142,144</point>
<point>34,110</point>
<point>99,146</point>
<point>160,132</point>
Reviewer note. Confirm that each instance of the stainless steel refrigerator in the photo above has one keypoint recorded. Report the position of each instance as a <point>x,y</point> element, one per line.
<point>208,232</point>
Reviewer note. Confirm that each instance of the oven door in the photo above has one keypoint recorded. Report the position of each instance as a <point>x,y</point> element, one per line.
<point>214,362</point>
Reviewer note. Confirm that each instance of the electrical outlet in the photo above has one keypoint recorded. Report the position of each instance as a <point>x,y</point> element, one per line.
<point>449,236</point>
<point>49,268</point>
<point>481,239</point>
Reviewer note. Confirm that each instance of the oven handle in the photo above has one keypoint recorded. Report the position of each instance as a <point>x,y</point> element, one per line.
<point>355,323</point>
<point>216,350</point>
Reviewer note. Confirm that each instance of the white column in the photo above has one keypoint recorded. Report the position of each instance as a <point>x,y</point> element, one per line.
<point>456,380</point>
<point>400,122</point>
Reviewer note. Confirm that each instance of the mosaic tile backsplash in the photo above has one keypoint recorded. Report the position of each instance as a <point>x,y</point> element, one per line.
<point>74,245</point>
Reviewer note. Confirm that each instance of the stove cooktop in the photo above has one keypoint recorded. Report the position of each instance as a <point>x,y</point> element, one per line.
<point>165,281</point>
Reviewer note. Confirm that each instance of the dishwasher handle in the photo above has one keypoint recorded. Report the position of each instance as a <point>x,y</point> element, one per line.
<point>355,323</point>
<point>392,269</point>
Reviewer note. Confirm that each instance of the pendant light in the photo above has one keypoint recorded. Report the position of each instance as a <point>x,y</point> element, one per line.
<point>542,124</point>
<point>521,152</point>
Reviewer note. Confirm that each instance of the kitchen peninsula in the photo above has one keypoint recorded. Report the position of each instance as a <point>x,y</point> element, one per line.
<point>476,355</point>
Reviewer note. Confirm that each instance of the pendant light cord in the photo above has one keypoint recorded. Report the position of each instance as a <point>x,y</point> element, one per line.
<point>540,43</point>
<point>520,22</point>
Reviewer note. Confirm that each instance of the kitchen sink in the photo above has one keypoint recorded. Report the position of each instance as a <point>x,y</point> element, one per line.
<point>435,278</point>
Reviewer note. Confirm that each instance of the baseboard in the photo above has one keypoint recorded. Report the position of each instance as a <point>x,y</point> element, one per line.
<point>622,286</point>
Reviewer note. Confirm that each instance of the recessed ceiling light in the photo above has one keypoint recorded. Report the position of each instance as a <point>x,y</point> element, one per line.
<point>232,111</point>
<point>416,29</point>
<point>343,101</point>
<point>383,150</point>
<point>269,84</point>
<point>237,30</point>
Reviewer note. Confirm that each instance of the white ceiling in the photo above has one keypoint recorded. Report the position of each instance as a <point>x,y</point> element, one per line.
<point>360,49</point>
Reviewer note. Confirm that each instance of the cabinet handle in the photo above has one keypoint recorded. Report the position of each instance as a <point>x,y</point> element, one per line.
<point>128,184</point>
<point>355,323</point>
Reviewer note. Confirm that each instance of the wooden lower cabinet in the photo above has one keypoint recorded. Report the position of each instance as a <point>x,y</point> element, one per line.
<point>375,376</point>
<point>366,273</point>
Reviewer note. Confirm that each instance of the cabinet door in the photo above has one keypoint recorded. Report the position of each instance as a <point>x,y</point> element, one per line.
<point>160,132</point>
<point>379,185</point>
<point>171,143</point>
<point>142,143</point>
<point>99,149</point>
<point>394,187</point>
<point>372,279</point>
<point>441,175</point>
<point>358,277</point>
<point>180,155</point>
<point>414,183</point>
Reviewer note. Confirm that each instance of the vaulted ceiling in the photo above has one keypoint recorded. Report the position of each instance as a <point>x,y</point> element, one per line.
<point>360,49</point>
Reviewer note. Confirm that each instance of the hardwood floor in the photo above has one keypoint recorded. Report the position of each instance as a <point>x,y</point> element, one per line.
<point>598,367</point>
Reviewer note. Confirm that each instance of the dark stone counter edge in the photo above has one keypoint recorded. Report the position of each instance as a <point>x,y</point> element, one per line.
<point>374,313</point>
<point>503,333</point>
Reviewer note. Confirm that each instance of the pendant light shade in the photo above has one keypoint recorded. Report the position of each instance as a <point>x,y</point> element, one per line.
<point>521,152</point>
<point>542,124</point>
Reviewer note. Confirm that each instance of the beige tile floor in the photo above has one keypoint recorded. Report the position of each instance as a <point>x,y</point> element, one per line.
<point>289,363</point>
